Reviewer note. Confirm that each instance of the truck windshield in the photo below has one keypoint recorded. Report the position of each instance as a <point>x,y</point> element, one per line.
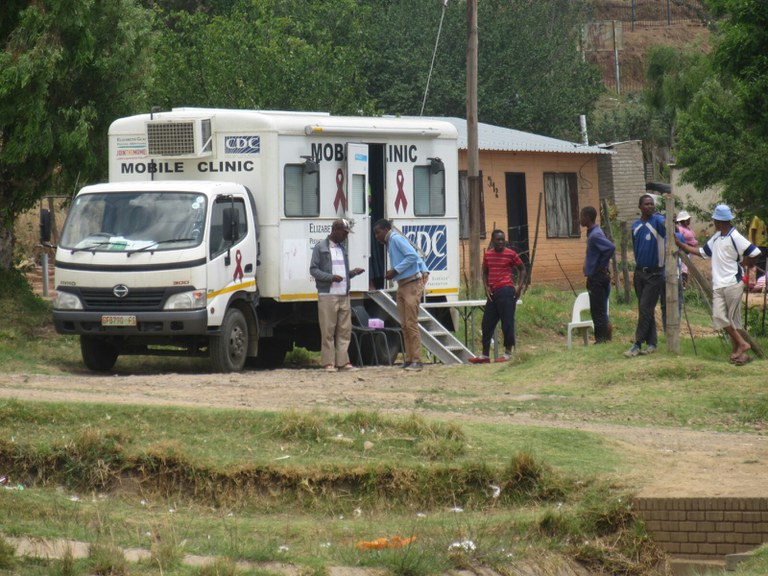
<point>131,221</point>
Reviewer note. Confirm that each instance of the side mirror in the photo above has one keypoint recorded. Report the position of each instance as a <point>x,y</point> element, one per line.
<point>230,224</point>
<point>436,165</point>
<point>45,226</point>
<point>311,165</point>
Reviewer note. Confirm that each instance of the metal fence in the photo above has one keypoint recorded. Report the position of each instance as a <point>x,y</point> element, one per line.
<point>648,13</point>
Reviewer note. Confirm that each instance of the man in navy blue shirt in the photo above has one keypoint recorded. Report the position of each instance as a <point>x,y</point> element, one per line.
<point>648,238</point>
<point>599,253</point>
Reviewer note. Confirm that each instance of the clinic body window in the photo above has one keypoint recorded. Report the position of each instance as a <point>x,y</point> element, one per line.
<point>302,191</point>
<point>428,191</point>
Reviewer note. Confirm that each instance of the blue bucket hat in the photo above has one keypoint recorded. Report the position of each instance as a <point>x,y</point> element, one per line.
<point>722,212</point>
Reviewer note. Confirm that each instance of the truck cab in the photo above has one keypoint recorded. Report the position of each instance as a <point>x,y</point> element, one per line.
<point>160,264</point>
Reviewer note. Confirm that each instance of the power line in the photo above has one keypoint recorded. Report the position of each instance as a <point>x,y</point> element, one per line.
<point>434,54</point>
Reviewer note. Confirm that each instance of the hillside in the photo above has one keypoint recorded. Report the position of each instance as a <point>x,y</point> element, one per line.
<point>683,25</point>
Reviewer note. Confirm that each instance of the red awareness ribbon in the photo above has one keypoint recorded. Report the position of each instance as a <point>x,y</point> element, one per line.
<point>340,199</point>
<point>400,198</point>
<point>239,268</point>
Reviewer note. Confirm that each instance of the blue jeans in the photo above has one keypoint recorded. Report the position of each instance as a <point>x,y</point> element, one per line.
<point>500,307</point>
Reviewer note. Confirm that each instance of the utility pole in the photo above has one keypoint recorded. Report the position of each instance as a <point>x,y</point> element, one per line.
<point>671,267</point>
<point>473,155</point>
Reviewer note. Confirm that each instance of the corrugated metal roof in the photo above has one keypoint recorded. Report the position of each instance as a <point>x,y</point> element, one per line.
<point>492,137</point>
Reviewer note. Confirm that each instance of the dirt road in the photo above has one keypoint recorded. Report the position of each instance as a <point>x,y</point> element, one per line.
<point>661,461</point>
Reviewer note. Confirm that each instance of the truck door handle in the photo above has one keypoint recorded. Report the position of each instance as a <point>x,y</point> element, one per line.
<point>248,268</point>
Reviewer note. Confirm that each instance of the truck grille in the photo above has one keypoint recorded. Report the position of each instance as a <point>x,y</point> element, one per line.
<point>137,299</point>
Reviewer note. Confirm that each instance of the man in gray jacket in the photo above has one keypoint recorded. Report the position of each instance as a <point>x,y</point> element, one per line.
<point>330,269</point>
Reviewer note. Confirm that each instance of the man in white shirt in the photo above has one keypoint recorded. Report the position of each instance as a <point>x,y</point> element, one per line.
<point>727,249</point>
<point>330,269</point>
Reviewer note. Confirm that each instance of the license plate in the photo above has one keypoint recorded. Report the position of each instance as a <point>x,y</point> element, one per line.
<point>118,320</point>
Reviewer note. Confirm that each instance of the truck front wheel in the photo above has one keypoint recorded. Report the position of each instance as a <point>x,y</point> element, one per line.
<point>98,354</point>
<point>229,349</point>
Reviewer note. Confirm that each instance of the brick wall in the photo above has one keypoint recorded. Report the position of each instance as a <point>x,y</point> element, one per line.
<point>705,526</point>
<point>622,178</point>
<point>569,251</point>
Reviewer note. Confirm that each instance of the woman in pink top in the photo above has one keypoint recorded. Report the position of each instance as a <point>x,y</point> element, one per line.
<point>684,229</point>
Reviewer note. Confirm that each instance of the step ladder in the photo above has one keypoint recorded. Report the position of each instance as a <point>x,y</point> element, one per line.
<point>434,336</point>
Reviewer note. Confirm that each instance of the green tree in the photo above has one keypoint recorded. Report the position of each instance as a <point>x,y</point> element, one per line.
<point>279,54</point>
<point>530,74</point>
<point>672,77</point>
<point>67,69</point>
<point>723,135</point>
<point>374,56</point>
<point>627,118</point>
<point>533,76</point>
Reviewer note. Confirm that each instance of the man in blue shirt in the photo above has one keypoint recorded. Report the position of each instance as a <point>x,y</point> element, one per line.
<point>407,268</point>
<point>599,253</point>
<point>648,238</point>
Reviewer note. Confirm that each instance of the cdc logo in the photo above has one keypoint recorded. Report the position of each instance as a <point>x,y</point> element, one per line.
<point>242,144</point>
<point>431,241</point>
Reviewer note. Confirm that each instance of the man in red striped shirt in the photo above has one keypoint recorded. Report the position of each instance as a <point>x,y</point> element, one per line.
<point>499,264</point>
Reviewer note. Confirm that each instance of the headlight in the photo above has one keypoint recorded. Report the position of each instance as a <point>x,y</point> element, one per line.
<point>67,301</point>
<point>191,300</point>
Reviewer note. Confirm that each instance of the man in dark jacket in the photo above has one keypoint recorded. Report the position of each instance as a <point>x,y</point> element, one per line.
<point>330,269</point>
<point>598,257</point>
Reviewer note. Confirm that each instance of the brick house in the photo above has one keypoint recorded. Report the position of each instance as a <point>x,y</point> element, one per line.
<point>517,169</point>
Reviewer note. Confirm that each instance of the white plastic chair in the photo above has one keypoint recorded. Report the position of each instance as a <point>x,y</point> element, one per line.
<point>580,305</point>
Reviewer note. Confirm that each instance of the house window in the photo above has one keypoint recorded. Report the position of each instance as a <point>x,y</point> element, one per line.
<point>561,196</point>
<point>302,191</point>
<point>428,191</point>
<point>464,206</point>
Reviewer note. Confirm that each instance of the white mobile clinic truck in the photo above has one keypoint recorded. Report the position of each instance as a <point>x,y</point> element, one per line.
<point>200,243</point>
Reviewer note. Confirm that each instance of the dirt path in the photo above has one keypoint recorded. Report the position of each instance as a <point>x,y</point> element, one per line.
<point>661,461</point>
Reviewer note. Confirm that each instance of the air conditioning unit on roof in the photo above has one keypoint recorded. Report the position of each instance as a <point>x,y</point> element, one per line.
<point>190,138</point>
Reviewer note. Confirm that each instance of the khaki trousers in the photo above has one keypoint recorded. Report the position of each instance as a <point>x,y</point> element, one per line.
<point>408,301</point>
<point>334,314</point>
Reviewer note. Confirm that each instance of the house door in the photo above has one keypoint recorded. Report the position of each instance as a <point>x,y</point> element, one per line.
<point>517,215</point>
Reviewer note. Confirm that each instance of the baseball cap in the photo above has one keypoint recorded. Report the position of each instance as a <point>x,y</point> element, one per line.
<point>722,212</point>
<point>342,224</point>
<point>682,216</point>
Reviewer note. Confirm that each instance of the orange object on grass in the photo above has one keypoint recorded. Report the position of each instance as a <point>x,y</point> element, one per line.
<point>381,543</point>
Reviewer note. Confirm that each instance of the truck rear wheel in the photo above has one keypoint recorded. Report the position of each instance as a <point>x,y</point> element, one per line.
<point>229,350</point>
<point>98,354</point>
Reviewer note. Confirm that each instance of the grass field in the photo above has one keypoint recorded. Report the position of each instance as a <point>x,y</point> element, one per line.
<point>439,494</point>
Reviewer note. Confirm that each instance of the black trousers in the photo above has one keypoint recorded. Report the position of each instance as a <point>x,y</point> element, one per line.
<point>502,307</point>
<point>648,288</point>
<point>599,288</point>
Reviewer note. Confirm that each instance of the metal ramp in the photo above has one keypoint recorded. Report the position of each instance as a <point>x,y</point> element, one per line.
<point>434,336</point>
